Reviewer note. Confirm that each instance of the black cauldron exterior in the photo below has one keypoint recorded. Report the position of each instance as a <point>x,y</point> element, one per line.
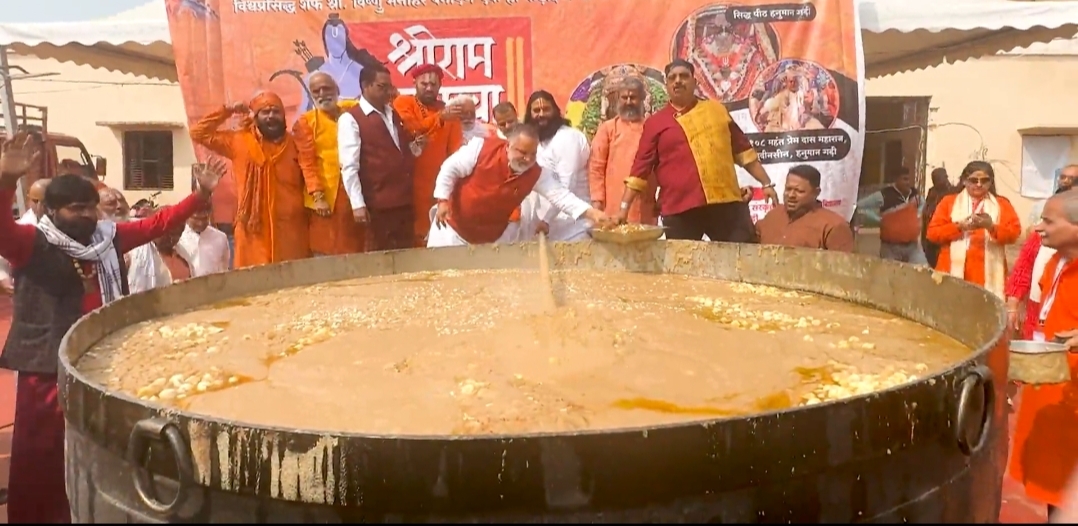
<point>929,451</point>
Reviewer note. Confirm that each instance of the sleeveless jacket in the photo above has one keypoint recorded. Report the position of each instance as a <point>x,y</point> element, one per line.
<point>48,301</point>
<point>385,171</point>
<point>481,204</point>
<point>899,222</point>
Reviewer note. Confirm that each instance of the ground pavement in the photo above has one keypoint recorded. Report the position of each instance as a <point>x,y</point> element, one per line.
<point>1017,509</point>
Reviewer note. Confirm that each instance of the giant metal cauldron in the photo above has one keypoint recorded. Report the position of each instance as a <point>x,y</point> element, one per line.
<point>929,451</point>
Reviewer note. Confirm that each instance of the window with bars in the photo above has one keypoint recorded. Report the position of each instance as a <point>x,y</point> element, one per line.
<point>148,160</point>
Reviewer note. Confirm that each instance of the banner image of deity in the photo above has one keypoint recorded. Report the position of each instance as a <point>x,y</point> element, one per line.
<point>791,74</point>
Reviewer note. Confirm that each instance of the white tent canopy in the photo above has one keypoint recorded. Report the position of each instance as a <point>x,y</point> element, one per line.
<point>135,41</point>
<point>906,35</point>
<point>898,35</point>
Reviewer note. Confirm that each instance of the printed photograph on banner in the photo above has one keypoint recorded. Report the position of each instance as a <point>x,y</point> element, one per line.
<point>727,55</point>
<point>763,62</point>
<point>789,74</point>
<point>595,99</point>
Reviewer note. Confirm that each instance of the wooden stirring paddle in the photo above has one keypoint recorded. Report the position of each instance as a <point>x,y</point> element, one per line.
<point>549,301</point>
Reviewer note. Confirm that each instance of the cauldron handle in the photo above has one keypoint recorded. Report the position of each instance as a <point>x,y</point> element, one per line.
<point>164,431</point>
<point>978,381</point>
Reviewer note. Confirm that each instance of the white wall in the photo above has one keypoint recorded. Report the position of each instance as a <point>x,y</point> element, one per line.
<point>79,96</point>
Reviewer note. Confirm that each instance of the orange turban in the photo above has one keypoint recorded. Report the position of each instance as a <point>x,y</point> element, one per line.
<point>423,69</point>
<point>265,99</point>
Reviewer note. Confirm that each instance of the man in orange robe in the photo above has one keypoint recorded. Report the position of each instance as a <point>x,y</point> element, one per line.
<point>437,132</point>
<point>333,230</point>
<point>271,221</point>
<point>973,229</point>
<point>1046,432</point>
<point>613,150</point>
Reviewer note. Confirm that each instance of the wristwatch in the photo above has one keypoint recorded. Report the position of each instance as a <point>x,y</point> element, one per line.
<point>768,185</point>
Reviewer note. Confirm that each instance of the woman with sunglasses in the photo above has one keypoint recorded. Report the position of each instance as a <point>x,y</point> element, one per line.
<point>973,228</point>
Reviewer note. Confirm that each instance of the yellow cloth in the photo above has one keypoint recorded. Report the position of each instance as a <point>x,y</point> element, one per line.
<point>325,143</point>
<point>707,127</point>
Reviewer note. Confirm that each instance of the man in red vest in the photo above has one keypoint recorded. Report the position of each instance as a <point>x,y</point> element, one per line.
<point>480,186</point>
<point>897,207</point>
<point>377,164</point>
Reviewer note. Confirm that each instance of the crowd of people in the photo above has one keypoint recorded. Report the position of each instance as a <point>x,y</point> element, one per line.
<point>389,171</point>
<point>964,230</point>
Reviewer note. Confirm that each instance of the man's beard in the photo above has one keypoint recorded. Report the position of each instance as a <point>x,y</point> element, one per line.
<point>548,127</point>
<point>630,113</point>
<point>1064,187</point>
<point>80,229</point>
<point>327,104</point>
<point>518,167</point>
<point>428,98</point>
<point>272,130</point>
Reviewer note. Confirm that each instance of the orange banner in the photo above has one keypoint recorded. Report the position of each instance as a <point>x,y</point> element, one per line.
<point>790,73</point>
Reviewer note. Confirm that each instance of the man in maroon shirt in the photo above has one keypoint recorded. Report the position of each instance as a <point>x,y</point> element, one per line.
<point>66,266</point>
<point>689,149</point>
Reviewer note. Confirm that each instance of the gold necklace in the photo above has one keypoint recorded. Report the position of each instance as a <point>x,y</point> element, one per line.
<point>87,277</point>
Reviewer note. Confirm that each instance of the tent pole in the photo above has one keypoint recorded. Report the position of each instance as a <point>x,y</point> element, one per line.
<point>7,96</point>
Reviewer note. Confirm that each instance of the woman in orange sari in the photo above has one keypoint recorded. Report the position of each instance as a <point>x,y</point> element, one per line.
<point>973,228</point>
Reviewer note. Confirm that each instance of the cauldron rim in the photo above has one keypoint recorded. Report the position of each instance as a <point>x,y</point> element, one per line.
<point>67,368</point>
<point>606,432</point>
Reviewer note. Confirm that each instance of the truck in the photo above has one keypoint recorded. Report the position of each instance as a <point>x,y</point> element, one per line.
<point>62,154</point>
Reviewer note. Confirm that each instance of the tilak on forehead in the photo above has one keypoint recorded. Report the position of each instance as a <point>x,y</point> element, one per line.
<point>265,99</point>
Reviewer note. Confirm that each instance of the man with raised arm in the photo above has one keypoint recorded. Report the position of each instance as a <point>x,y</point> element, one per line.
<point>271,221</point>
<point>481,184</point>
<point>436,129</point>
<point>68,265</point>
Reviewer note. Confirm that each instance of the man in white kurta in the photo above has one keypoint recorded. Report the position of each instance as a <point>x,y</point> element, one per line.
<point>566,156</point>
<point>463,164</point>
<point>205,247</point>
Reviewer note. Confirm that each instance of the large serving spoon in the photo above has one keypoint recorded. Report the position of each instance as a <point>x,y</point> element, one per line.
<point>549,301</point>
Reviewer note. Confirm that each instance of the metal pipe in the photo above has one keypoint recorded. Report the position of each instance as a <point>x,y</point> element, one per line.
<point>7,96</point>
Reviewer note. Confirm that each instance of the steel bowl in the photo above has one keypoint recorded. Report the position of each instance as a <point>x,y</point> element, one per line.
<point>640,234</point>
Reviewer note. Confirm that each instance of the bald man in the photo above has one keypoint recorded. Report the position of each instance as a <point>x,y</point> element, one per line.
<point>123,210</point>
<point>36,196</point>
<point>333,231</point>
<point>470,127</point>
<point>107,203</point>
<point>1043,455</point>
<point>505,117</point>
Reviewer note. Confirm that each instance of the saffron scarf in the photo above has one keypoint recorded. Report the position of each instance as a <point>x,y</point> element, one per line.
<point>262,159</point>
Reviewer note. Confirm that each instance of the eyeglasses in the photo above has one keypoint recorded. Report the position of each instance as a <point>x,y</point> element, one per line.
<point>979,181</point>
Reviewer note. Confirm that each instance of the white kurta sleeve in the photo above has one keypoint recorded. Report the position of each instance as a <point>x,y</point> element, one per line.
<point>457,166</point>
<point>561,199</point>
<point>348,143</point>
<point>223,252</point>
<point>571,153</point>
